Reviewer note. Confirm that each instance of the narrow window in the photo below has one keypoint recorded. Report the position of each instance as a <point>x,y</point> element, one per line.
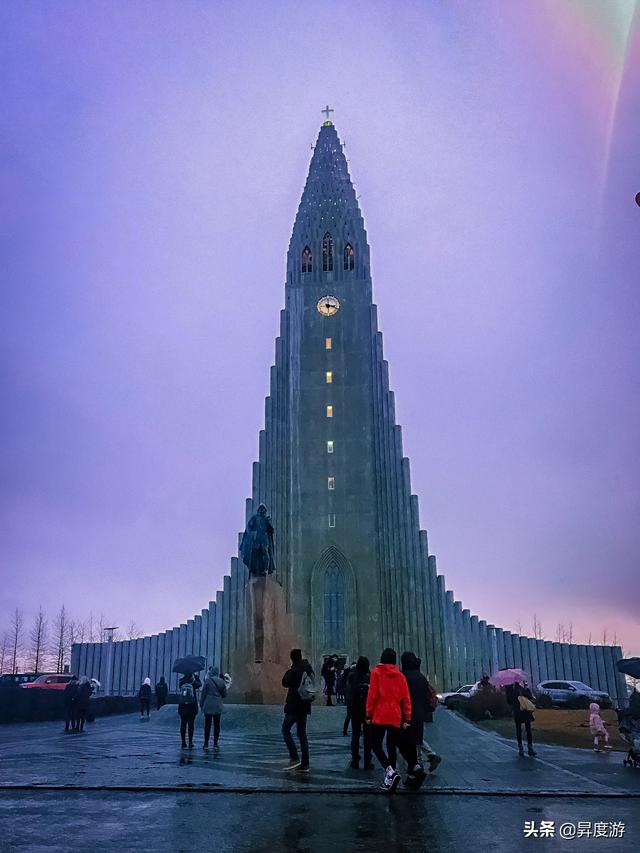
<point>327,252</point>
<point>329,376</point>
<point>329,411</point>
<point>332,519</point>
<point>307,260</point>
<point>327,343</point>
<point>349,257</point>
<point>329,447</point>
<point>331,483</point>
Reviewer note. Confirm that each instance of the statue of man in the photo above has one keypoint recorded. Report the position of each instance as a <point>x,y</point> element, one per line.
<point>257,549</point>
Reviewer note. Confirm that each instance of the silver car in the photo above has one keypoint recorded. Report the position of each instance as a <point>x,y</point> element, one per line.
<point>570,694</point>
<point>464,692</point>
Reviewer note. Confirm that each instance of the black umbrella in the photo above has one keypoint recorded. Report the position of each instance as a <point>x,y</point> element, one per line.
<point>629,666</point>
<point>189,665</point>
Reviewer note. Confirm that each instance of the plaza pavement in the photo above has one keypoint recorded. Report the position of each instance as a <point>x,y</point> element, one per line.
<point>127,785</point>
<point>123,752</point>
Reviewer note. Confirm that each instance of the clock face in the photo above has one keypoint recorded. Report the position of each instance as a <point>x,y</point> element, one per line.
<point>328,306</point>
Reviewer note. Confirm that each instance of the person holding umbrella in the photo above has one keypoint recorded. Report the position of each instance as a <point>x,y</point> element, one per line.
<point>190,682</point>
<point>520,698</point>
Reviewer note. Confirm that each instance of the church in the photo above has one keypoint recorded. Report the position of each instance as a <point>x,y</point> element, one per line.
<point>352,562</point>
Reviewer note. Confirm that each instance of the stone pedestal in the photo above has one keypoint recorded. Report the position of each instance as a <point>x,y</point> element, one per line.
<point>262,655</point>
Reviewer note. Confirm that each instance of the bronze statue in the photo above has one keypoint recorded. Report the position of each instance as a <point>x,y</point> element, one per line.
<point>257,548</point>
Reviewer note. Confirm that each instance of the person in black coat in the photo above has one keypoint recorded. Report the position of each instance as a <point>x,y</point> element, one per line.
<point>162,691</point>
<point>423,701</point>
<point>82,702</point>
<point>144,695</point>
<point>521,715</point>
<point>188,706</point>
<point>356,693</point>
<point>296,711</point>
<point>70,693</point>
<point>328,673</point>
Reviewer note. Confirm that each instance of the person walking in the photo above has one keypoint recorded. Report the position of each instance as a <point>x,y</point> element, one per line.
<point>188,707</point>
<point>328,673</point>
<point>520,698</point>
<point>297,709</point>
<point>389,713</point>
<point>346,692</point>
<point>597,728</point>
<point>424,702</point>
<point>82,702</point>
<point>341,674</point>
<point>162,691</point>
<point>213,692</point>
<point>144,695</point>
<point>70,694</point>
<point>356,693</point>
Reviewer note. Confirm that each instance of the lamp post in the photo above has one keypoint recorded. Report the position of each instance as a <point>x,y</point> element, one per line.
<point>108,632</point>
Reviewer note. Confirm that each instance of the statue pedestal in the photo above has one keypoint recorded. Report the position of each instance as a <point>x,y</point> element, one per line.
<point>262,655</point>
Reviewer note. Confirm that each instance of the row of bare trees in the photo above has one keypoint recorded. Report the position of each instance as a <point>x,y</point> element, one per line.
<point>46,646</point>
<point>564,633</point>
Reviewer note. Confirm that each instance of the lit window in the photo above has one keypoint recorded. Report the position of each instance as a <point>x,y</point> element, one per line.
<point>329,447</point>
<point>307,260</point>
<point>329,411</point>
<point>332,519</point>
<point>349,257</point>
<point>331,483</point>
<point>327,252</point>
<point>329,377</point>
<point>327,343</point>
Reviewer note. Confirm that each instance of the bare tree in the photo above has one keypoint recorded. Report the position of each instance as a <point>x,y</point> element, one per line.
<point>518,626</point>
<point>604,636</point>
<point>569,634</point>
<point>91,638</point>
<point>17,623</point>
<point>560,633</point>
<point>537,628</point>
<point>60,639</point>
<point>4,649</point>
<point>80,631</point>
<point>38,637</point>
<point>133,632</point>
<point>589,642</point>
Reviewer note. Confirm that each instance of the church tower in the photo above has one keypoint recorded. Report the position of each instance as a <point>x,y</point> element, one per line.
<point>350,556</point>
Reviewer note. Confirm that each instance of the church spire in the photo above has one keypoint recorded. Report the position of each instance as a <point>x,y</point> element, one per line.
<point>328,206</point>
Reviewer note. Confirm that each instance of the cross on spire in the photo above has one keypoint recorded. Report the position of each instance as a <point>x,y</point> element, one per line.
<point>327,112</point>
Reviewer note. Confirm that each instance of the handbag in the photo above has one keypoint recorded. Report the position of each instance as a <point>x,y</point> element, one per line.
<point>526,704</point>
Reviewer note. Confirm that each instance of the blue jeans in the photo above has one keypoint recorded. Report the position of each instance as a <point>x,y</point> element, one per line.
<point>301,730</point>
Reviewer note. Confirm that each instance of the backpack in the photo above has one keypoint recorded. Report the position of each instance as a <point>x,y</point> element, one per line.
<point>187,695</point>
<point>432,699</point>
<point>307,689</point>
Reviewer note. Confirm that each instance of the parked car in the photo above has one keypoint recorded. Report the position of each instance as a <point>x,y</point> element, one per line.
<point>464,692</point>
<point>569,694</point>
<point>17,679</point>
<point>49,682</point>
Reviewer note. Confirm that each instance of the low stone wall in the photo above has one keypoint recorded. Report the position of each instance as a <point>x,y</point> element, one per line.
<point>31,706</point>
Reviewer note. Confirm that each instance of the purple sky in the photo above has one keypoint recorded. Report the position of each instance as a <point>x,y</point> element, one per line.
<point>153,157</point>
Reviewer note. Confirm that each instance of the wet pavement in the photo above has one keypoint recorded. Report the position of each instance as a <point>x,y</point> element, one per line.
<point>126,785</point>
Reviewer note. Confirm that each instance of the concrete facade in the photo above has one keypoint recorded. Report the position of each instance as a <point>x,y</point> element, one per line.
<point>352,560</point>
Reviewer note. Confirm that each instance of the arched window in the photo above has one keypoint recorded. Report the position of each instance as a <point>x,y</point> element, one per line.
<point>327,252</point>
<point>307,260</point>
<point>334,633</point>
<point>349,257</point>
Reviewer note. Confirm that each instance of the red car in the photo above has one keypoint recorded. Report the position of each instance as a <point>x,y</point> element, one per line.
<point>49,682</point>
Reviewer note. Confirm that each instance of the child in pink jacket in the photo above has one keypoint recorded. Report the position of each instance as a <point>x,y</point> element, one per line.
<point>598,730</point>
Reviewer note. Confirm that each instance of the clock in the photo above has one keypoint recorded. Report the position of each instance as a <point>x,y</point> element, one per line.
<point>328,306</point>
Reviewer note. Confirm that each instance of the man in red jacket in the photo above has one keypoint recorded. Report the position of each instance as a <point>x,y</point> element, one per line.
<point>388,712</point>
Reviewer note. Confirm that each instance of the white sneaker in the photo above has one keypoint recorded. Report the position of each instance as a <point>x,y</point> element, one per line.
<point>391,780</point>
